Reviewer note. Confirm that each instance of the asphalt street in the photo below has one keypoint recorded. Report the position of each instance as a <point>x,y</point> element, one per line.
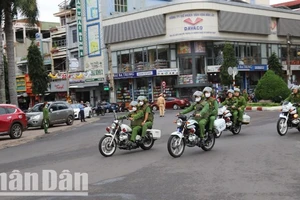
<point>256,164</point>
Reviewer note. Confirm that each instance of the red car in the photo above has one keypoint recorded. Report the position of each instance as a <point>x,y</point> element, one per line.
<point>173,102</point>
<point>12,121</point>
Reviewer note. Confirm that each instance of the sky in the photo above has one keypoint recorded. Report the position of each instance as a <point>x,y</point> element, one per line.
<point>48,7</point>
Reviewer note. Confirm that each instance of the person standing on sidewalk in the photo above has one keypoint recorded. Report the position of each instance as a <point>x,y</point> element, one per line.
<point>81,111</point>
<point>45,118</point>
<point>161,102</point>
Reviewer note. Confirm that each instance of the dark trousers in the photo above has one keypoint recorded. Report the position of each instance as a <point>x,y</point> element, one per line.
<point>82,116</point>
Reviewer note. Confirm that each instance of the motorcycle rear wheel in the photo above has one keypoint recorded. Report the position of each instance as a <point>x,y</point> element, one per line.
<point>148,143</point>
<point>236,129</point>
<point>172,151</point>
<point>209,142</point>
<point>217,135</point>
<point>281,129</point>
<point>104,147</point>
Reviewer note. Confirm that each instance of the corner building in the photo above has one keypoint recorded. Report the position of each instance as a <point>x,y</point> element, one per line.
<point>177,48</point>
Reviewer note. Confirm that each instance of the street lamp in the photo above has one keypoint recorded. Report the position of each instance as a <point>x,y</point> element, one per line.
<point>232,71</point>
<point>288,60</point>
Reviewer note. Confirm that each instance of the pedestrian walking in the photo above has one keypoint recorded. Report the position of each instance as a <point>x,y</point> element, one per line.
<point>46,120</point>
<point>81,111</point>
<point>161,102</point>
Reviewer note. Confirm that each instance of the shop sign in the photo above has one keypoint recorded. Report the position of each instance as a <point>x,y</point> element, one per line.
<point>124,75</point>
<point>58,86</point>
<point>28,84</point>
<point>213,68</point>
<point>146,73</point>
<point>192,22</point>
<point>186,79</point>
<point>201,78</point>
<point>94,72</point>
<point>166,72</point>
<point>21,86</point>
<point>252,67</point>
<point>79,28</point>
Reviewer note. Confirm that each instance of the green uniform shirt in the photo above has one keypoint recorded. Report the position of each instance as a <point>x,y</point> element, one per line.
<point>293,98</point>
<point>229,101</point>
<point>45,113</point>
<point>213,106</point>
<point>146,109</point>
<point>202,108</point>
<point>137,117</point>
<point>245,96</point>
<point>241,102</point>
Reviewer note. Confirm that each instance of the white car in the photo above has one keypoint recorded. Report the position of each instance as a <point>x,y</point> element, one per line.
<point>87,111</point>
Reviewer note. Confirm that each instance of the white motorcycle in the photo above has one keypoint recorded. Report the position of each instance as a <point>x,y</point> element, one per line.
<point>187,135</point>
<point>226,115</point>
<point>119,134</point>
<point>288,118</point>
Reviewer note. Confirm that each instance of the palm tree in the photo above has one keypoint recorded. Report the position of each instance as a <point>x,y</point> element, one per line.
<point>11,8</point>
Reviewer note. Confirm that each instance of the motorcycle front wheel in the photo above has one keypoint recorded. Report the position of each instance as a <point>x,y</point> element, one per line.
<point>148,142</point>
<point>209,142</point>
<point>105,148</point>
<point>281,127</point>
<point>175,150</point>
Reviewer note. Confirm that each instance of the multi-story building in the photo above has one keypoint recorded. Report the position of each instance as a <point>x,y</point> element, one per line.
<point>23,36</point>
<point>177,47</point>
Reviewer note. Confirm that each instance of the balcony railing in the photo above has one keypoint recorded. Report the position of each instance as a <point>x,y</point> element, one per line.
<point>59,43</point>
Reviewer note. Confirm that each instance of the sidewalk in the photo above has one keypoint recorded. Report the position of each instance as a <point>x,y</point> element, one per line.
<point>35,133</point>
<point>260,108</point>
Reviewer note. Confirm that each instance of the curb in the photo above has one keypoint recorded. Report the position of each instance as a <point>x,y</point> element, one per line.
<point>261,108</point>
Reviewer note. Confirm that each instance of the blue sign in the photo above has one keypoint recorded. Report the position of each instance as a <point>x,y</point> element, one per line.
<point>125,75</point>
<point>253,67</point>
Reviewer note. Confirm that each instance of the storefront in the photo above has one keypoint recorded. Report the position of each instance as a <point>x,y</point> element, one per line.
<point>191,41</point>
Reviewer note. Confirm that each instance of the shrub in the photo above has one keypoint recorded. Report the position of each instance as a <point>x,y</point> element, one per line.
<point>271,87</point>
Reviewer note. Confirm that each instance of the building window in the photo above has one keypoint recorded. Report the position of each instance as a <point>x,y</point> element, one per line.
<point>62,21</point>
<point>120,5</point>
<point>74,36</point>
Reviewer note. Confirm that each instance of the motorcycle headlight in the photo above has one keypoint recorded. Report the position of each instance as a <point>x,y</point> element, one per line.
<point>179,122</point>
<point>113,126</point>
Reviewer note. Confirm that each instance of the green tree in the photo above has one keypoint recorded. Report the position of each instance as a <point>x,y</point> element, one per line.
<point>275,65</point>
<point>9,9</point>
<point>229,61</point>
<point>36,70</point>
<point>271,87</point>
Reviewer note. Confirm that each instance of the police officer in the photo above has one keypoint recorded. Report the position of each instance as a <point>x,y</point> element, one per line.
<point>148,115</point>
<point>136,116</point>
<point>202,113</point>
<point>240,106</point>
<point>294,97</point>
<point>213,107</point>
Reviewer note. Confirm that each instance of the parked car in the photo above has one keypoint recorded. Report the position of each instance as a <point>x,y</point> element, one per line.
<point>59,112</point>
<point>12,120</point>
<point>87,111</point>
<point>110,107</point>
<point>173,102</point>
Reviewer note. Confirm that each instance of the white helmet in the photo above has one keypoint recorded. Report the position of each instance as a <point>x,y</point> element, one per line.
<point>295,87</point>
<point>141,98</point>
<point>237,90</point>
<point>133,103</point>
<point>198,94</point>
<point>230,91</point>
<point>207,89</point>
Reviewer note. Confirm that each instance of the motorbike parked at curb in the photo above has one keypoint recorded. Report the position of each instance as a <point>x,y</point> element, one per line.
<point>119,134</point>
<point>100,110</point>
<point>288,118</point>
<point>187,135</point>
<point>226,115</point>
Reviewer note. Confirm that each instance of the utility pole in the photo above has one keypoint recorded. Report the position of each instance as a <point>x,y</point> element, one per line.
<point>67,54</point>
<point>111,75</point>
<point>288,60</point>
